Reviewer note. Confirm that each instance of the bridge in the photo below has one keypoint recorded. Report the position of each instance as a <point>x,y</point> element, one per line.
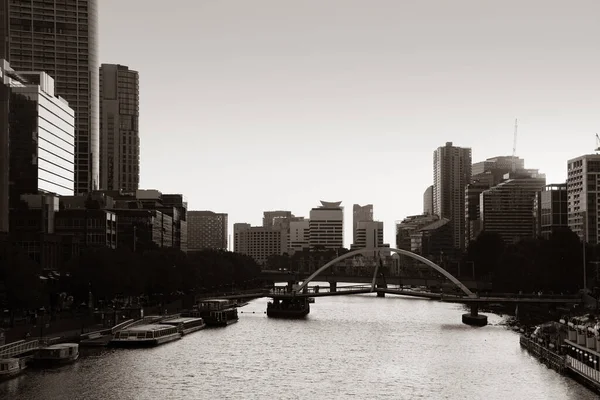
<point>334,279</point>
<point>379,285</point>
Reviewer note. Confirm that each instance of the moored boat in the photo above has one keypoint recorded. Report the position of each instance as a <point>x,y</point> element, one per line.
<point>288,308</point>
<point>56,354</point>
<point>11,367</point>
<point>145,335</point>
<point>186,325</point>
<point>217,312</point>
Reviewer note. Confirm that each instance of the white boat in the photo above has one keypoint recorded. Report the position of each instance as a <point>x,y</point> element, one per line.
<point>186,325</point>
<point>56,354</point>
<point>10,367</point>
<point>145,335</point>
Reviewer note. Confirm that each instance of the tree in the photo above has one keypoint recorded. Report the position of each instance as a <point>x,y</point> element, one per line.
<point>485,252</point>
<point>21,280</point>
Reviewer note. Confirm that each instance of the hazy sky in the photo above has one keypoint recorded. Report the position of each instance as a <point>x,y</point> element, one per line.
<point>253,105</point>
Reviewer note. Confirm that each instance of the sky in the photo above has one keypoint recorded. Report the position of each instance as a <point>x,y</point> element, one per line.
<point>247,106</point>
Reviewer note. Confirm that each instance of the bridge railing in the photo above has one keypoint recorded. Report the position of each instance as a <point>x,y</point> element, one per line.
<point>20,347</point>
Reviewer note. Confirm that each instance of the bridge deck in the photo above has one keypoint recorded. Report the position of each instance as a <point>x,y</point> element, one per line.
<point>281,293</point>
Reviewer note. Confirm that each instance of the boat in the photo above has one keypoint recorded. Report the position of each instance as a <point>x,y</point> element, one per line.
<point>217,312</point>
<point>56,354</point>
<point>145,335</point>
<point>11,367</point>
<point>293,308</point>
<point>186,325</point>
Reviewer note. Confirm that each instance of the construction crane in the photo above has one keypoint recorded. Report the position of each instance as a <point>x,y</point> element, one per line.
<point>514,154</point>
<point>597,143</point>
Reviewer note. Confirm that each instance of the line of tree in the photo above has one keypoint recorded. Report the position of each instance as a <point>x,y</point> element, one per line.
<point>533,265</point>
<point>109,274</point>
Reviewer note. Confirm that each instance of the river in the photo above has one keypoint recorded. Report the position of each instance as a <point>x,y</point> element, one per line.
<point>359,347</point>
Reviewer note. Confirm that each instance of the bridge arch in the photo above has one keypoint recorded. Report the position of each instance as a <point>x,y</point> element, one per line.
<point>393,250</point>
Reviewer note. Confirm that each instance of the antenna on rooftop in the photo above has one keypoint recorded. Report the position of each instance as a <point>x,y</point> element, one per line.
<point>514,154</point>
<point>597,143</point>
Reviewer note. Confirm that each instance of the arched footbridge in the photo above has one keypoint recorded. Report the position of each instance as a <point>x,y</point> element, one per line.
<point>303,290</point>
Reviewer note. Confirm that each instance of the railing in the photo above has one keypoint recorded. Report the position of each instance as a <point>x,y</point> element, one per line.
<point>544,354</point>
<point>20,347</point>
<point>588,372</point>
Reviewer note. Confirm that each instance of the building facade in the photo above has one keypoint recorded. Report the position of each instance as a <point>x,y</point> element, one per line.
<point>206,230</point>
<point>119,128</point>
<point>428,200</point>
<point>550,210</point>
<point>451,174</point>
<point>484,175</point>
<point>326,226</point>
<point>46,163</point>
<point>360,214</point>
<point>508,208</point>
<point>299,238</point>
<point>61,38</point>
<point>583,190</point>
<point>258,242</point>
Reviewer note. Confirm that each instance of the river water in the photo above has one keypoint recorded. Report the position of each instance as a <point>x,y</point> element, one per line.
<point>349,347</point>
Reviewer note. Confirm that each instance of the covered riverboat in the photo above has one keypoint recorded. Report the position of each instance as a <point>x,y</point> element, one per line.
<point>145,335</point>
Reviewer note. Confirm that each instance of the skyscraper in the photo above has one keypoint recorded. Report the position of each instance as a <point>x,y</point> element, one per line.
<point>61,39</point>
<point>119,129</point>
<point>326,226</point>
<point>360,214</point>
<point>583,196</point>
<point>451,174</point>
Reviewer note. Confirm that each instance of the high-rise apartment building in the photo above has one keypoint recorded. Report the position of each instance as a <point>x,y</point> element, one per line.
<point>583,192</point>
<point>326,226</point>
<point>508,208</point>
<point>428,201</point>
<point>206,230</point>
<point>119,128</point>
<point>61,39</point>
<point>451,174</point>
<point>40,129</point>
<point>360,214</point>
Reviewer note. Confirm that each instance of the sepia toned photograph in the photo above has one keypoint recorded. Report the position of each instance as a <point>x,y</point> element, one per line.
<point>299,199</point>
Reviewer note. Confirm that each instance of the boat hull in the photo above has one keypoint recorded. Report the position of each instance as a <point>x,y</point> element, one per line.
<point>53,362</point>
<point>144,342</point>
<point>14,372</point>
<point>288,314</point>
<point>220,323</point>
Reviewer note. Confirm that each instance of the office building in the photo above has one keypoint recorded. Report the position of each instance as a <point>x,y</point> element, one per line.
<point>206,230</point>
<point>277,219</point>
<point>119,128</point>
<point>326,226</point>
<point>428,200</point>
<point>299,239</point>
<point>451,174</point>
<point>61,39</point>
<point>550,210</point>
<point>583,191</point>
<point>508,208</point>
<point>40,129</point>
<point>258,242</point>
<point>485,174</point>
<point>360,214</point>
